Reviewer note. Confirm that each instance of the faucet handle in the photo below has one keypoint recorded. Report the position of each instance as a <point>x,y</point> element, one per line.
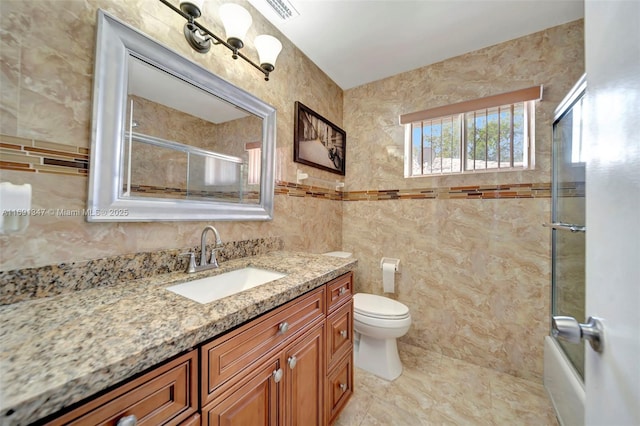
<point>192,261</point>
<point>214,259</point>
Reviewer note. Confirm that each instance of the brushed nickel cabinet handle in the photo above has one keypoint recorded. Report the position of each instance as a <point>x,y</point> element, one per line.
<point>128,421</point>
<point>292,361</point>
<point>277,375</point>
<point>283,327</point>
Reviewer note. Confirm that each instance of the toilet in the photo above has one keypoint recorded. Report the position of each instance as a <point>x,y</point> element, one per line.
<point>378,321</point>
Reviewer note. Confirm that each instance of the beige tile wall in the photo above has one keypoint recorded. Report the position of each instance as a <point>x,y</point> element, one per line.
<point>47,50</point>
<point>475,273</point>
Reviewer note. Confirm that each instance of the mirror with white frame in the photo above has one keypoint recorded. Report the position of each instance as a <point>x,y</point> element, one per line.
<point>172,141</point>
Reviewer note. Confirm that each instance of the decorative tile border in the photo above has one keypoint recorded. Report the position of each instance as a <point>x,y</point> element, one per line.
<point>168,192</point>
<point>31,155</point>
<point>296,190</point>
<point>485,192</point>
<point>51,280</point>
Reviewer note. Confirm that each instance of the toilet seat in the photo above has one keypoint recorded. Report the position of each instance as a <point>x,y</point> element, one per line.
<point>379,307</point>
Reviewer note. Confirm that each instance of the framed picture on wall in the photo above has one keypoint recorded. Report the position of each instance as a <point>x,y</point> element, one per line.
<point>317,142</point>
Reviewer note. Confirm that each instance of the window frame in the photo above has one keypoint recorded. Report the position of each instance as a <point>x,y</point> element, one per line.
<point>458,113</point>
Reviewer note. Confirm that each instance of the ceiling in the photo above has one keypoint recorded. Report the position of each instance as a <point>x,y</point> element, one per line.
<point>358,41</point>
<point>147,81</point>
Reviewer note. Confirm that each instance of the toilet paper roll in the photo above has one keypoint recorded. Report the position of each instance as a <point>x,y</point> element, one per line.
<point>388,277</point>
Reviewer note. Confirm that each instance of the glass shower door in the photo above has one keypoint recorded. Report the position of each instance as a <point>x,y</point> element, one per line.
<point>568,217</point>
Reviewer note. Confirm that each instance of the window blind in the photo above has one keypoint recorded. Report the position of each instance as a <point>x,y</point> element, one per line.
<point>523,95</point>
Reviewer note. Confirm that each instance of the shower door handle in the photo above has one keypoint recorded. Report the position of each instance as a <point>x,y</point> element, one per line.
<point>569,329</point>
<point>565,226</point>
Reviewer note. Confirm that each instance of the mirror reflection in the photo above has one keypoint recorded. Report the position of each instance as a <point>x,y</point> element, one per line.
<point>171,140</point>
<point>185,143</point>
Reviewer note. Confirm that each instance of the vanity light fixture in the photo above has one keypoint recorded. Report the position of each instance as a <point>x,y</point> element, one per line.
<point>236,21</point>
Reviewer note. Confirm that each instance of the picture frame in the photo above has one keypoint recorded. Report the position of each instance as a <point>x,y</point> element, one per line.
<point>317,142</point>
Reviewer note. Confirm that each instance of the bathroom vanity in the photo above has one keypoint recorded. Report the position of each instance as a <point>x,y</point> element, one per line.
<point>280,353</point>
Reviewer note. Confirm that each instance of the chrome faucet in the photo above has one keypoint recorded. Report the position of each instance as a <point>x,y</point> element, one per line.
<point>213,263</point>
<point>203,247</point>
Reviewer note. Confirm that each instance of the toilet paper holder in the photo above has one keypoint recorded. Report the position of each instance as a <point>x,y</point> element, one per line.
<point>392,261</point>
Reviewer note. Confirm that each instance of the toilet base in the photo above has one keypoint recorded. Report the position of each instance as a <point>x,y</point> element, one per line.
<point>378,356</point>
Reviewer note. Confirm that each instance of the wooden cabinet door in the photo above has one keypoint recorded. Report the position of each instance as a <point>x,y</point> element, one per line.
<point>191,421</point>
<point>255,403</point>
<point>230,357</point>
<point>304,377</point>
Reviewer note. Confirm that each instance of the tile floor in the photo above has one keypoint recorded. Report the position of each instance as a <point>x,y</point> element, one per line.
<point>437,390</point>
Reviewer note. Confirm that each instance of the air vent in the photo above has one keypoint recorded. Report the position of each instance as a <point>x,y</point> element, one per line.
<point>283,8</point>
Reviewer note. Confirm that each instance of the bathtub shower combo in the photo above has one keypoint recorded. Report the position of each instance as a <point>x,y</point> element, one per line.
<point>564,356</point>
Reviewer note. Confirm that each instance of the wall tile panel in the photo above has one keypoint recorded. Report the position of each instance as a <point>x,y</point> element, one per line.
<point>475,260</point>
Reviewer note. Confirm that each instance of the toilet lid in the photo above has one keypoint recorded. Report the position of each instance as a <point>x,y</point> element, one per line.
<point>375,306</point>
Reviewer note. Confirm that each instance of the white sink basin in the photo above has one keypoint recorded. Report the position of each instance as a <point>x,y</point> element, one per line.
<point>208,289</point>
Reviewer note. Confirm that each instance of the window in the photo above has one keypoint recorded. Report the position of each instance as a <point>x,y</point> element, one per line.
<point>492,133</point>
<point>218,171</point>
<point>254,156</point>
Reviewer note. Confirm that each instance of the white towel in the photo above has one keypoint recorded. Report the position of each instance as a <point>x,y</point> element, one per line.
<point>15,207</point>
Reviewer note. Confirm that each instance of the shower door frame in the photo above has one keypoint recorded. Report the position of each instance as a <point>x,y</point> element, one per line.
<point>563,383</point>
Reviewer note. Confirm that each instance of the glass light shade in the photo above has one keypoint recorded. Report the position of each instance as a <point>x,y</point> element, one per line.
<point>268,48</point>
<point>236,20</point>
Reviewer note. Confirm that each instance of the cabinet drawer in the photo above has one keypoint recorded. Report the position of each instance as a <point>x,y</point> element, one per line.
<point>234,352</point>
<point>339,291</point>
<point>339,334</point>
<point>166,395</point>
<point>339,386</point>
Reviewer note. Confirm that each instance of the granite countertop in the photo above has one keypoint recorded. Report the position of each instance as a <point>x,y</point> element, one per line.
<point>59,350</point>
